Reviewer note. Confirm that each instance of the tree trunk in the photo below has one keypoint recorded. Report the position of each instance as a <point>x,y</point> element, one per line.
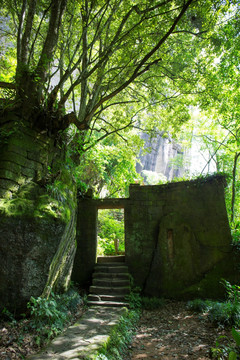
<point>234,185</point>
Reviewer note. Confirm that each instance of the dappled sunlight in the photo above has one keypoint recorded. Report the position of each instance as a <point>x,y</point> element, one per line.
<point>87,335</point>
<point>173,332</point>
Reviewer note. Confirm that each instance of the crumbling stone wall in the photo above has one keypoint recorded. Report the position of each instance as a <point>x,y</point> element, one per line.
<point>177,238</point>
<point>178,241</point>
<point>37,229</point>
<point>24,154</point>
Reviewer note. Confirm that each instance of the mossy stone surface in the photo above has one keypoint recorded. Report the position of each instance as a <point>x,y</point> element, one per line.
<point>37,224</point>
<point>177,238</point>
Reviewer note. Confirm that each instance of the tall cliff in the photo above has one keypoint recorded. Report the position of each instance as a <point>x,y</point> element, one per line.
<point>164,157</point>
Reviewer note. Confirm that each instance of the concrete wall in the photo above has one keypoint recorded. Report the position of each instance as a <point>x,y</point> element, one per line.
<point>178,241</point>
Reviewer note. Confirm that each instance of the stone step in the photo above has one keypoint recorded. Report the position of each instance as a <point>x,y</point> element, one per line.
<point>111,259</point>
<point>106,290</point>
<point>110,298</point>
<point>110,275</point>
<point>111,268</point>
<point>108,303</point>
<point>111,282</point>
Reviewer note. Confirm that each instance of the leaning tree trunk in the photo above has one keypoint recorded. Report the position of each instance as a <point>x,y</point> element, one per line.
<point>234,186</point>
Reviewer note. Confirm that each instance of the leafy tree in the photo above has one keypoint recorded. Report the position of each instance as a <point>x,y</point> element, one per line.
<point>111,232</point>
<point>219,99</point>
<point>86,56</point>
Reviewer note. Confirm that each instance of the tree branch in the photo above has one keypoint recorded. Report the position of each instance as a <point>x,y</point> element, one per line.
<point>57,9</point>
<point>27,32</point>
<point>140,69</point>
<point>107,134</point>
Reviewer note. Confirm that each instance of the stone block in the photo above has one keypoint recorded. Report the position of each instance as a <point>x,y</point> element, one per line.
<point>30,173</point>
<point>26,142</point>
<point>41,157</point>
<point>16,149</point>
<point>9,175</point>
<point>11,166</point>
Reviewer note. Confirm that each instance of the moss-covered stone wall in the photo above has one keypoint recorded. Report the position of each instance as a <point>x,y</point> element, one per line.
<point>37,214</point>
<point>86,253</point>
<point>25,154</point>
<point>178,240</point>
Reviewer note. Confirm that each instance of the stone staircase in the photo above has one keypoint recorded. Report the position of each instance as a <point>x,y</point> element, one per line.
<point>111,282</point>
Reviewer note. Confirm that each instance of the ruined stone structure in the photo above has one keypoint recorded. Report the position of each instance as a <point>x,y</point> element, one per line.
<point>177,238</point>
<point>178,241</point>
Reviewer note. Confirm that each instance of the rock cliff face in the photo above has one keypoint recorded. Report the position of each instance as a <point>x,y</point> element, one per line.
<point>37,218</point>
<point>165,157</point>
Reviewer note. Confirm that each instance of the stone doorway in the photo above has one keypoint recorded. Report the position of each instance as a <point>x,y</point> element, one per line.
<point>111,232</point>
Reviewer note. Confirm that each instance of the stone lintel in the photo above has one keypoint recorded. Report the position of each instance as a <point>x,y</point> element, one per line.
<point>111,203</point>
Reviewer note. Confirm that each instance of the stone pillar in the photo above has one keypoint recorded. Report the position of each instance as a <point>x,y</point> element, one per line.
<point>86,253</point>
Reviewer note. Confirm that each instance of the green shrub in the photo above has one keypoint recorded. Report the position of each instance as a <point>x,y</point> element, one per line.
<point>50,316</point>
<point>199,305</point>
<point>225,313</point>
<point>235,352</point>
<point>134,298</point>
<point>233,291</point>
<point>222,313</point>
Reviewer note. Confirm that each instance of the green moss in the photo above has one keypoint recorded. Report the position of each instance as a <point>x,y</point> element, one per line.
<point>31,200</point>
<point>16,207</point>
<point>210,286</point>
<point>5,194</point>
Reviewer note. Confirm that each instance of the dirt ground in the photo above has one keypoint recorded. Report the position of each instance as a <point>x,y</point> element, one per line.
<point>174,332</point>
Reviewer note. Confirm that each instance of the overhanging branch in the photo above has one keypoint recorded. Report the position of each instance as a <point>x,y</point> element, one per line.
<point>143,65</point>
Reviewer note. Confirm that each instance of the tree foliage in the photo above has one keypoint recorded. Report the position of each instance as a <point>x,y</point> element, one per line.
<point>86,56</point>
<point>219,98</point>
<point>111,237</point>
<point>108,67</point>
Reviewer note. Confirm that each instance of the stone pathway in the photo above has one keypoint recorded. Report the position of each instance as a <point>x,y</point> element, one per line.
<point>85,337</point>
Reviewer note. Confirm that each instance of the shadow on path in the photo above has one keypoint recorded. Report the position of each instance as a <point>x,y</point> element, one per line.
<point>85,337</point>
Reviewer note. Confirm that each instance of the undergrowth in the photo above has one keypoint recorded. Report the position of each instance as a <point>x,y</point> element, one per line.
<point>121,336</point>
<point>48,316</point>
<point>223,314</point>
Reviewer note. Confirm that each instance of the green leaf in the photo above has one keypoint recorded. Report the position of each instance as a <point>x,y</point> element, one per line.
<point>232,355</point>
<point>236,336</point>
